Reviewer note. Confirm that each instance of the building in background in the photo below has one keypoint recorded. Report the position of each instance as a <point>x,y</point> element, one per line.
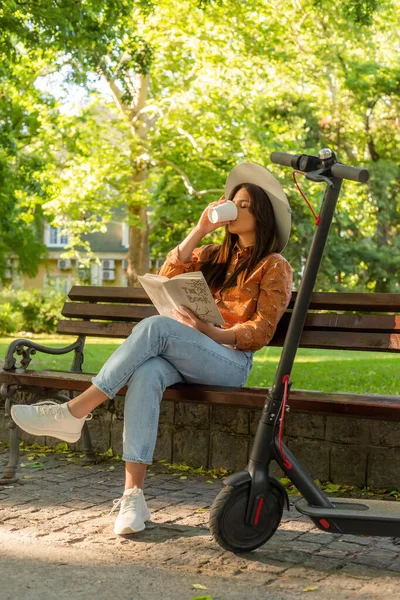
<point>61,274</point>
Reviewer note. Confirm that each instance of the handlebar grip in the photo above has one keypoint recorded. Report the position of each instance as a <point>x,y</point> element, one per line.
<point>348,172</point>
<point>285,159</point>
<point>338,169</point>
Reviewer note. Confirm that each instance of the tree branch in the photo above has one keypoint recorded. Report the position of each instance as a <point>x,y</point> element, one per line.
<point>142,91</point>
<point>125,56</point>
<point>185,179</point>
<point>117,93</point>
<point>370,139</point>
<point>136,115</point>
<point>189,137</point>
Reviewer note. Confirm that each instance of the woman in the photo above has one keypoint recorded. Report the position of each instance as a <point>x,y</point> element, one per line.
<point>251,283</point>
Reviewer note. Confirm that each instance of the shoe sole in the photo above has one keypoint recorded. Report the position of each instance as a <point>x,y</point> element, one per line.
<point>66,438</point>
<point>127,530</point>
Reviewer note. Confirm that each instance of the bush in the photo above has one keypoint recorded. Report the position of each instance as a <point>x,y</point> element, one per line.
<point>36,311</point>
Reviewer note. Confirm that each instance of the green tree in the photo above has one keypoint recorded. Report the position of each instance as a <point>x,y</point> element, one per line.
<point>37,38</point>
<point>199,89</point>
<point>24,117</point>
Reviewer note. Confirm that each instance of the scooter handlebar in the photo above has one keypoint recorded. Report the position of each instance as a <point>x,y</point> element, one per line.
<point>347,172</point>
<point>338,169</point>
<point>285,159</point>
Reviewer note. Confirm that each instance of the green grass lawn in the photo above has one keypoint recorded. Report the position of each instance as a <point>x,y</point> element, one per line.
<point>328,370</point>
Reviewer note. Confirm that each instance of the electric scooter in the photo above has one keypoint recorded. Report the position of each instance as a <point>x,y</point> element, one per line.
<point>248,510</point>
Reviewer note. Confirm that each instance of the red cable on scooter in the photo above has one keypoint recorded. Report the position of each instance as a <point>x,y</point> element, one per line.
<point>286,462</point>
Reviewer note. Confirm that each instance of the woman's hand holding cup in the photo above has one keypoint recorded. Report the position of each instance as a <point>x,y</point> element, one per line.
<point>204,225</point>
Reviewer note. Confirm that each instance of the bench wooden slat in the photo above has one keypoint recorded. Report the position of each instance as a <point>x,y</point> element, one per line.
<point>340,322</point>
<point>368,405</point>
<point>117,330</point>
<point>344,340</point>
<point>95,293</point>
<point>324,322</point>
<point>351,301</point>
<point>346,301</point>
<point>370,341</point>
<point>110,312</point>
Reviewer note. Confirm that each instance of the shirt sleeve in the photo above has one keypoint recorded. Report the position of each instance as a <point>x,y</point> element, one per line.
<point>275,295</point>
<point>174,266</point>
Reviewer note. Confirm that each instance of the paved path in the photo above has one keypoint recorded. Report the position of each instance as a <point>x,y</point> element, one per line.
<point>56,541</point>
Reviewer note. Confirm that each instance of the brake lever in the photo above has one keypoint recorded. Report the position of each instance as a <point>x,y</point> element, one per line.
<point>318,176</point>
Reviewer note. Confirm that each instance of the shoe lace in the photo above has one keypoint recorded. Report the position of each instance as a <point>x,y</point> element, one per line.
<point>48,407</point>
<point>127,502</point>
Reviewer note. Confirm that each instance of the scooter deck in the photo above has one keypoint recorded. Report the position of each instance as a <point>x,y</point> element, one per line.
<point>355,516</point>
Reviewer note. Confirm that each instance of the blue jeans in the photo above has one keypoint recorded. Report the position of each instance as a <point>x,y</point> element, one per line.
<point>158,353</point>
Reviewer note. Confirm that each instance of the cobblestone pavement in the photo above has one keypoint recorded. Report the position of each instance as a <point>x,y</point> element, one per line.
<point>55,533</point>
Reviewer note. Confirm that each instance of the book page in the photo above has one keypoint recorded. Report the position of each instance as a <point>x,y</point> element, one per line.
<point>155,277</point>
<point>193,291</point>
<point>157,293</point>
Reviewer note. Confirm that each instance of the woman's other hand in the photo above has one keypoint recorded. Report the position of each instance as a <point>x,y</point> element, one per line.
<point>190,319</point>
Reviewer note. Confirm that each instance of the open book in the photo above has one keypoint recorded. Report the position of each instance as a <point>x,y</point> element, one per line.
<point>188,289</point>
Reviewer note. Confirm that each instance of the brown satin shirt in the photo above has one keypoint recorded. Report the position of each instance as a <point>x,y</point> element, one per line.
<point>252,309</point>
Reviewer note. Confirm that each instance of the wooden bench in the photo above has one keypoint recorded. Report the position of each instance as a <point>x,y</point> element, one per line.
<point>355,321</point>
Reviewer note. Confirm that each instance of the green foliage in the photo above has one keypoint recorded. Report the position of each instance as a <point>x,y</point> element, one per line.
<point>30,310</point>
<point>227,82</point>
<point>84,31</point>
<point>38,38</point>
<point>360,11</point>
<point>24,113</point>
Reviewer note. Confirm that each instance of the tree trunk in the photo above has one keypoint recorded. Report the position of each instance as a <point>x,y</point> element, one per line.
<point>138,252</point>
<point>381,232</point>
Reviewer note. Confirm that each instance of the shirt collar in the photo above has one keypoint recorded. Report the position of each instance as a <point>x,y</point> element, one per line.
<point>245,252</point>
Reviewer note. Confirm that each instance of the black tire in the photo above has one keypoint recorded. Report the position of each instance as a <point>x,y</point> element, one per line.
<point>227,519</point>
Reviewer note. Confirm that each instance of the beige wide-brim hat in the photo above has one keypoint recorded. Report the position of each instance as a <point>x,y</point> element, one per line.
<point>253,173</point>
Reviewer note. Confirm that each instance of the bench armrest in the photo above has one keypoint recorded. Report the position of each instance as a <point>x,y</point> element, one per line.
<point>27,348</point>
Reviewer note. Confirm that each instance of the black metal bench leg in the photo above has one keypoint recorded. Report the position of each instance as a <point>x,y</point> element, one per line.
<point>10,472</point>
<point>90,456</point>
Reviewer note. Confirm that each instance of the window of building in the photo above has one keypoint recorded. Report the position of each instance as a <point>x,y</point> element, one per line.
<point>59,283</point>
<point>125,235</point>
<point>53,236</point>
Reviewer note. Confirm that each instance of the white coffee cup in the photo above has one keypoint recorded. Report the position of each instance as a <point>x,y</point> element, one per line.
<point>227,211</point>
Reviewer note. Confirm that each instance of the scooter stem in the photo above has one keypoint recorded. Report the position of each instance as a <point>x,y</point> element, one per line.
<point>264,449</point>
<point>303,299</point>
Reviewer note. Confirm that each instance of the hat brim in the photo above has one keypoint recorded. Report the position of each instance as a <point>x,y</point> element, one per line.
<point>258,175</point>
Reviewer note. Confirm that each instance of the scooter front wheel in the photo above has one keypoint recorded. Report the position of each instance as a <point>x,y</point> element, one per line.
<point>227,518</point>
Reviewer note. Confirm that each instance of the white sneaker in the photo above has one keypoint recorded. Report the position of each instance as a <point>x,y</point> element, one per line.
<point>133,512</point>
<point>49,418</point>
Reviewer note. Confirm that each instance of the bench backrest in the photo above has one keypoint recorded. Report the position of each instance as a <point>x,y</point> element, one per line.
<point>112,311</point>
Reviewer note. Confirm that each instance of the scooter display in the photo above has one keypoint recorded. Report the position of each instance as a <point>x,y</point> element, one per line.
<point>249,508</point>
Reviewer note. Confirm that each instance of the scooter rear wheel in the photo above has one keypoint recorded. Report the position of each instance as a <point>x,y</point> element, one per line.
<point>227,518</point>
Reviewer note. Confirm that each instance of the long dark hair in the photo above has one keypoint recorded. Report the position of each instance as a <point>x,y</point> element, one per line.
<point>216,267</point>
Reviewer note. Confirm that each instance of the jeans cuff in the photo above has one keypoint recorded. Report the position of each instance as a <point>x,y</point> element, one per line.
<point>135,459</point>
<point>102,388</point>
